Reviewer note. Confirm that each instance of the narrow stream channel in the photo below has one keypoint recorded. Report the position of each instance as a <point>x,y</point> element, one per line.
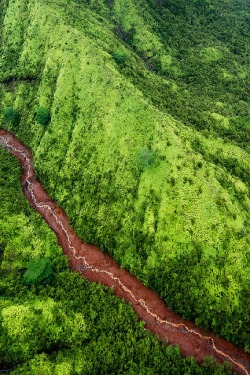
<point>96,266</point>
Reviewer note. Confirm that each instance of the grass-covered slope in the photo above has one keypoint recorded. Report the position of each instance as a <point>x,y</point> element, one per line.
<point>147,148</point>
<point>66,326</point>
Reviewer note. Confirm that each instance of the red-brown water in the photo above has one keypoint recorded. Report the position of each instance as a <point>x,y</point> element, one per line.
<point>96,266</point>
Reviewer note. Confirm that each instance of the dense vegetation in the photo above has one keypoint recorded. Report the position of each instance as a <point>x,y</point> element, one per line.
<point>137,113</point>
<point>66,325</point>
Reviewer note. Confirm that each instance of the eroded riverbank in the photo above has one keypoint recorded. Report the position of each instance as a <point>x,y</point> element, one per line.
<point>96,266</point>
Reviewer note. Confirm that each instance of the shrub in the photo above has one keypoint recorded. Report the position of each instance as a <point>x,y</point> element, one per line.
<point>39,270</point>
<point>146,158</point>
<point>119,56</point>
<point>11,116</point>
<point>43,116</point>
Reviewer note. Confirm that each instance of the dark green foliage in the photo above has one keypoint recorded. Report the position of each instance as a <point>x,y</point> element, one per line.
<point>39,270</point>
<point>119,56</point>
<point>43,116</point>
<point>11,116</point>
<point>146,158</point>
<point>116,342</point>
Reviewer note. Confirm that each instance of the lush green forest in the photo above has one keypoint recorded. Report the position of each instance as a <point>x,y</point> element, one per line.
<point>137,114</point>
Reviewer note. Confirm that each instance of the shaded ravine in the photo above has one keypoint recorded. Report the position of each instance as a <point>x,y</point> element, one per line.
<point>96,266</point>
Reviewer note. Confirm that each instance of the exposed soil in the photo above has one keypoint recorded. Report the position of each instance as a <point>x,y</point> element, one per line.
<point>96,266</point>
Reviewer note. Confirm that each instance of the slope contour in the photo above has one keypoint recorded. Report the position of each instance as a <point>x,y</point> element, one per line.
<point>91,263</point>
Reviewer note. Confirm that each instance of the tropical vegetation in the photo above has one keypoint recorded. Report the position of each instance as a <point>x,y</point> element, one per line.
<point>137,114</point>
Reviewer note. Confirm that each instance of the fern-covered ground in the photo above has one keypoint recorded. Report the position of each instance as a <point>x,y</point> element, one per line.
<point>146,147</point>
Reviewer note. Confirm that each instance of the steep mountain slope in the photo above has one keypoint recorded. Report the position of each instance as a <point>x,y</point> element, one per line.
<point>147,148</point>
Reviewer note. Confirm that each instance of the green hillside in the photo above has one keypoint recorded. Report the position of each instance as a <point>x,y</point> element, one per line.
<point>137,114</point>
